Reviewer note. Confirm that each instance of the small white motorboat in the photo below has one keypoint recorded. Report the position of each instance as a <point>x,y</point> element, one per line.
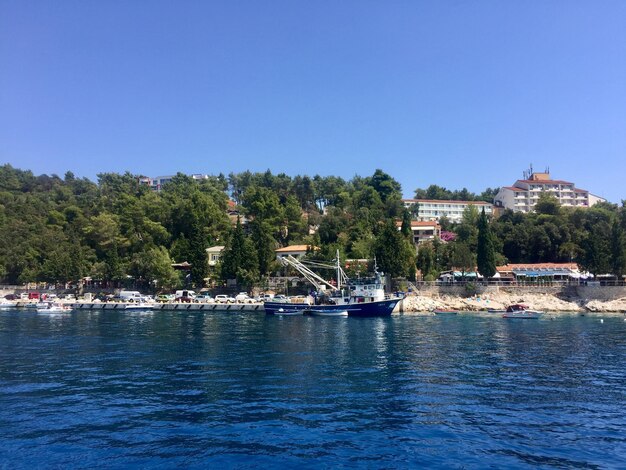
<point>328,312</point>
<point>288,312</point>
<point>521,311</point>
<point>7,304</point>
<point>138,306</point>
<point>54,308</point>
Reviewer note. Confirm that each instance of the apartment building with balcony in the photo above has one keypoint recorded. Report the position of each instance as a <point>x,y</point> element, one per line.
<point>433,210</point>
<point>524,194</point>
<point>423,231</point>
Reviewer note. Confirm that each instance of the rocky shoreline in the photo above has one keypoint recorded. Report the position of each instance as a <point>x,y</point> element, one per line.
<point>545,302</point>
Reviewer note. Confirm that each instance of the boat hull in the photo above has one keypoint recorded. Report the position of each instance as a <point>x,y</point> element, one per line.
<point>323,312</point>
<point>381,308</point>
<point>288,313</point>
<point>532,315</point>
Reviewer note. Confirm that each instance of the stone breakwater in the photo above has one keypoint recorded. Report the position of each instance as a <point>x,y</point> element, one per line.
<point>549,302</point>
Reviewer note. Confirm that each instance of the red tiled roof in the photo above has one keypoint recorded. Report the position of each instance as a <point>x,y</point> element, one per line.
<point>420,223</point>
<point>292,248</point>
<point>533,266</point>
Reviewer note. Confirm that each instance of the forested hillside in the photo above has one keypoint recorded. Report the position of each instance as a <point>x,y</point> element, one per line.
<point>62,229</point>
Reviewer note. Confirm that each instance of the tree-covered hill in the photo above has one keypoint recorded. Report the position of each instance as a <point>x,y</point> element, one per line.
<point>63,229</point>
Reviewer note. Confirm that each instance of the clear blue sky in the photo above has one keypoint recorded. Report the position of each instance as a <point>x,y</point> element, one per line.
<point>455,93</point>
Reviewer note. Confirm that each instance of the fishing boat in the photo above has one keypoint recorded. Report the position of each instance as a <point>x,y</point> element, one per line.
<point>443,311</point>
<point>521,311</point>
<point>326,312</point>
<point>359,297</point>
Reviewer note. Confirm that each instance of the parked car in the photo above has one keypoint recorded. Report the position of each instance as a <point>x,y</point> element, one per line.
<point>164,298</point>
<point>224,299</point>
<point>204,298</point>
<point>266,297</point>
<point>243,298</point>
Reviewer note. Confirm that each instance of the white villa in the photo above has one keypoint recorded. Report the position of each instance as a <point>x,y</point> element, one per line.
<point>524,194</point>
<point>297,251</point>
<point>214,254</point>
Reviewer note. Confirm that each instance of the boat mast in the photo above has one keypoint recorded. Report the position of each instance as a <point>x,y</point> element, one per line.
<point>338,272</point>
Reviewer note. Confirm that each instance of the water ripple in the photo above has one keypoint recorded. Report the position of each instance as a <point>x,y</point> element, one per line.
<point>247,391</point>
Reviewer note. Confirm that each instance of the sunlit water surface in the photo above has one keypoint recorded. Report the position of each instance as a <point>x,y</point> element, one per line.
<point>165,389</point>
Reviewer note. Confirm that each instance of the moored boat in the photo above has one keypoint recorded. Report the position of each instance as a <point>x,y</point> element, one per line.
<point>521,311</point>
<point>288,312</point>
<point>327,312</point>
<point>51,307</point>
<point>7,304</point>
<point>138,306</point>
<point>443,311</point>
<point>359,297</point>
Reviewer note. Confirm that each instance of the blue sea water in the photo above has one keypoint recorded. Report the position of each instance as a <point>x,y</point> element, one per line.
<point>202,390</point>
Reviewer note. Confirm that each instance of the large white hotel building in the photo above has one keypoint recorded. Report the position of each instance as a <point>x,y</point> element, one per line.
<point>433,210</point>
<point>524,194</point>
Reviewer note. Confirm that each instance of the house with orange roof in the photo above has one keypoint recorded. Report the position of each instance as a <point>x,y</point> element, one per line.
<point>297,251</point>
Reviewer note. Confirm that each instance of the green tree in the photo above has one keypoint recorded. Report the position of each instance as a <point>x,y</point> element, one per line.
<point>485,256</point>
<point>426,261</point>
<point>462,258</point>
<point>618,253</point>
<point>198,244</point>
<point>394,253</point>
<point>239,259</point>
<point>406,224</point>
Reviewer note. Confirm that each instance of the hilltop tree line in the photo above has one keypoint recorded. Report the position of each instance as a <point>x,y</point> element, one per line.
<point>117,229</point>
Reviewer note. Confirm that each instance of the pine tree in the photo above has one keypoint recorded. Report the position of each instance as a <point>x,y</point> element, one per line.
<point>406,224</point>
<point>197,253</point>
<point>240,260</point>
<point>394,254</point>
<point>486,255</point>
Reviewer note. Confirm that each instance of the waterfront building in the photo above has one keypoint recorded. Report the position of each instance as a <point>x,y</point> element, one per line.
<point>524,194</point>
<point>433,210</point>
<point>530,271</point>
<point>423,230</point>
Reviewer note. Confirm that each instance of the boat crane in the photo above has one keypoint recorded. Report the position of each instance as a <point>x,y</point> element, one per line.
<point>315,279</point>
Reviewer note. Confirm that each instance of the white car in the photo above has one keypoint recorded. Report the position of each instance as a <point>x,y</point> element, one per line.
<point>243,298</point>
<point>224,299</point>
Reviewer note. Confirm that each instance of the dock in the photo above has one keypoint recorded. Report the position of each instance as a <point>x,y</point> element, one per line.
<point>173,306</point>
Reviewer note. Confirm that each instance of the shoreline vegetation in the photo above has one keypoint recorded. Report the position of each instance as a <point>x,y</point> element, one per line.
<point>121,232</point>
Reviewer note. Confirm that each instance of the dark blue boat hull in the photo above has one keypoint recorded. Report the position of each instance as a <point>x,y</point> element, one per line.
<point>381,308</point>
